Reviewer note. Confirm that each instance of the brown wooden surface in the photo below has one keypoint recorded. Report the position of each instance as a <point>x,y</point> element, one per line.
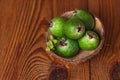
<point>22,39</point>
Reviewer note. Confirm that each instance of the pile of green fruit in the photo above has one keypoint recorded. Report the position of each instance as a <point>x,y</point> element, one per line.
<point>68,36</point>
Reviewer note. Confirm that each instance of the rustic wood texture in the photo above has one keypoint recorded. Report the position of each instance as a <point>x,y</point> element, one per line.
<point>103,64</point>
<point>23,24</point>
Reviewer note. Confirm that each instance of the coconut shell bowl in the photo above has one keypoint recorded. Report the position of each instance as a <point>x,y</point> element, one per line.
<point>83,55</point>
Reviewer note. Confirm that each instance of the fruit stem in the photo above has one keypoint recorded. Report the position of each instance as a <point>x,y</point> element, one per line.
<point>79,28</point>
<point>62,42</point>
<point>74,12</point>
<point>50,23</point>
<point>90,35</point>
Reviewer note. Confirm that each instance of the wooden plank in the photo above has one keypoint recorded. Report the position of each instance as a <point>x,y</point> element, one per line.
<point>106,65</point>
<point>23,24</point>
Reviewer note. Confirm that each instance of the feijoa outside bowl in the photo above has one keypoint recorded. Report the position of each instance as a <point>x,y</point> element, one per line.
<point>83,55</point>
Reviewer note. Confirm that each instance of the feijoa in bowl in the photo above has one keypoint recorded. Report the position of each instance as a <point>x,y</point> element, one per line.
<point>82,54</point>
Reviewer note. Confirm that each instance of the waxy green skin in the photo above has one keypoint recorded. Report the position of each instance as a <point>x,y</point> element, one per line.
<point>87,43</point>
<point>69,50</point>
<point>71,28</point>
<point>85,17</point>
<point>56,27</point>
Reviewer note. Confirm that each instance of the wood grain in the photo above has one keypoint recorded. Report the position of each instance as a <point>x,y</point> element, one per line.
<point>104,64</point>
<point>23,24</point>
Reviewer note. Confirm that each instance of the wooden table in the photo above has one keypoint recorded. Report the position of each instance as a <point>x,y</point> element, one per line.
<point>22,40</point>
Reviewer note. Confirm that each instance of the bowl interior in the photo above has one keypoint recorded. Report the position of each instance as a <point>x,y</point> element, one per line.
<point>84,55</point>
